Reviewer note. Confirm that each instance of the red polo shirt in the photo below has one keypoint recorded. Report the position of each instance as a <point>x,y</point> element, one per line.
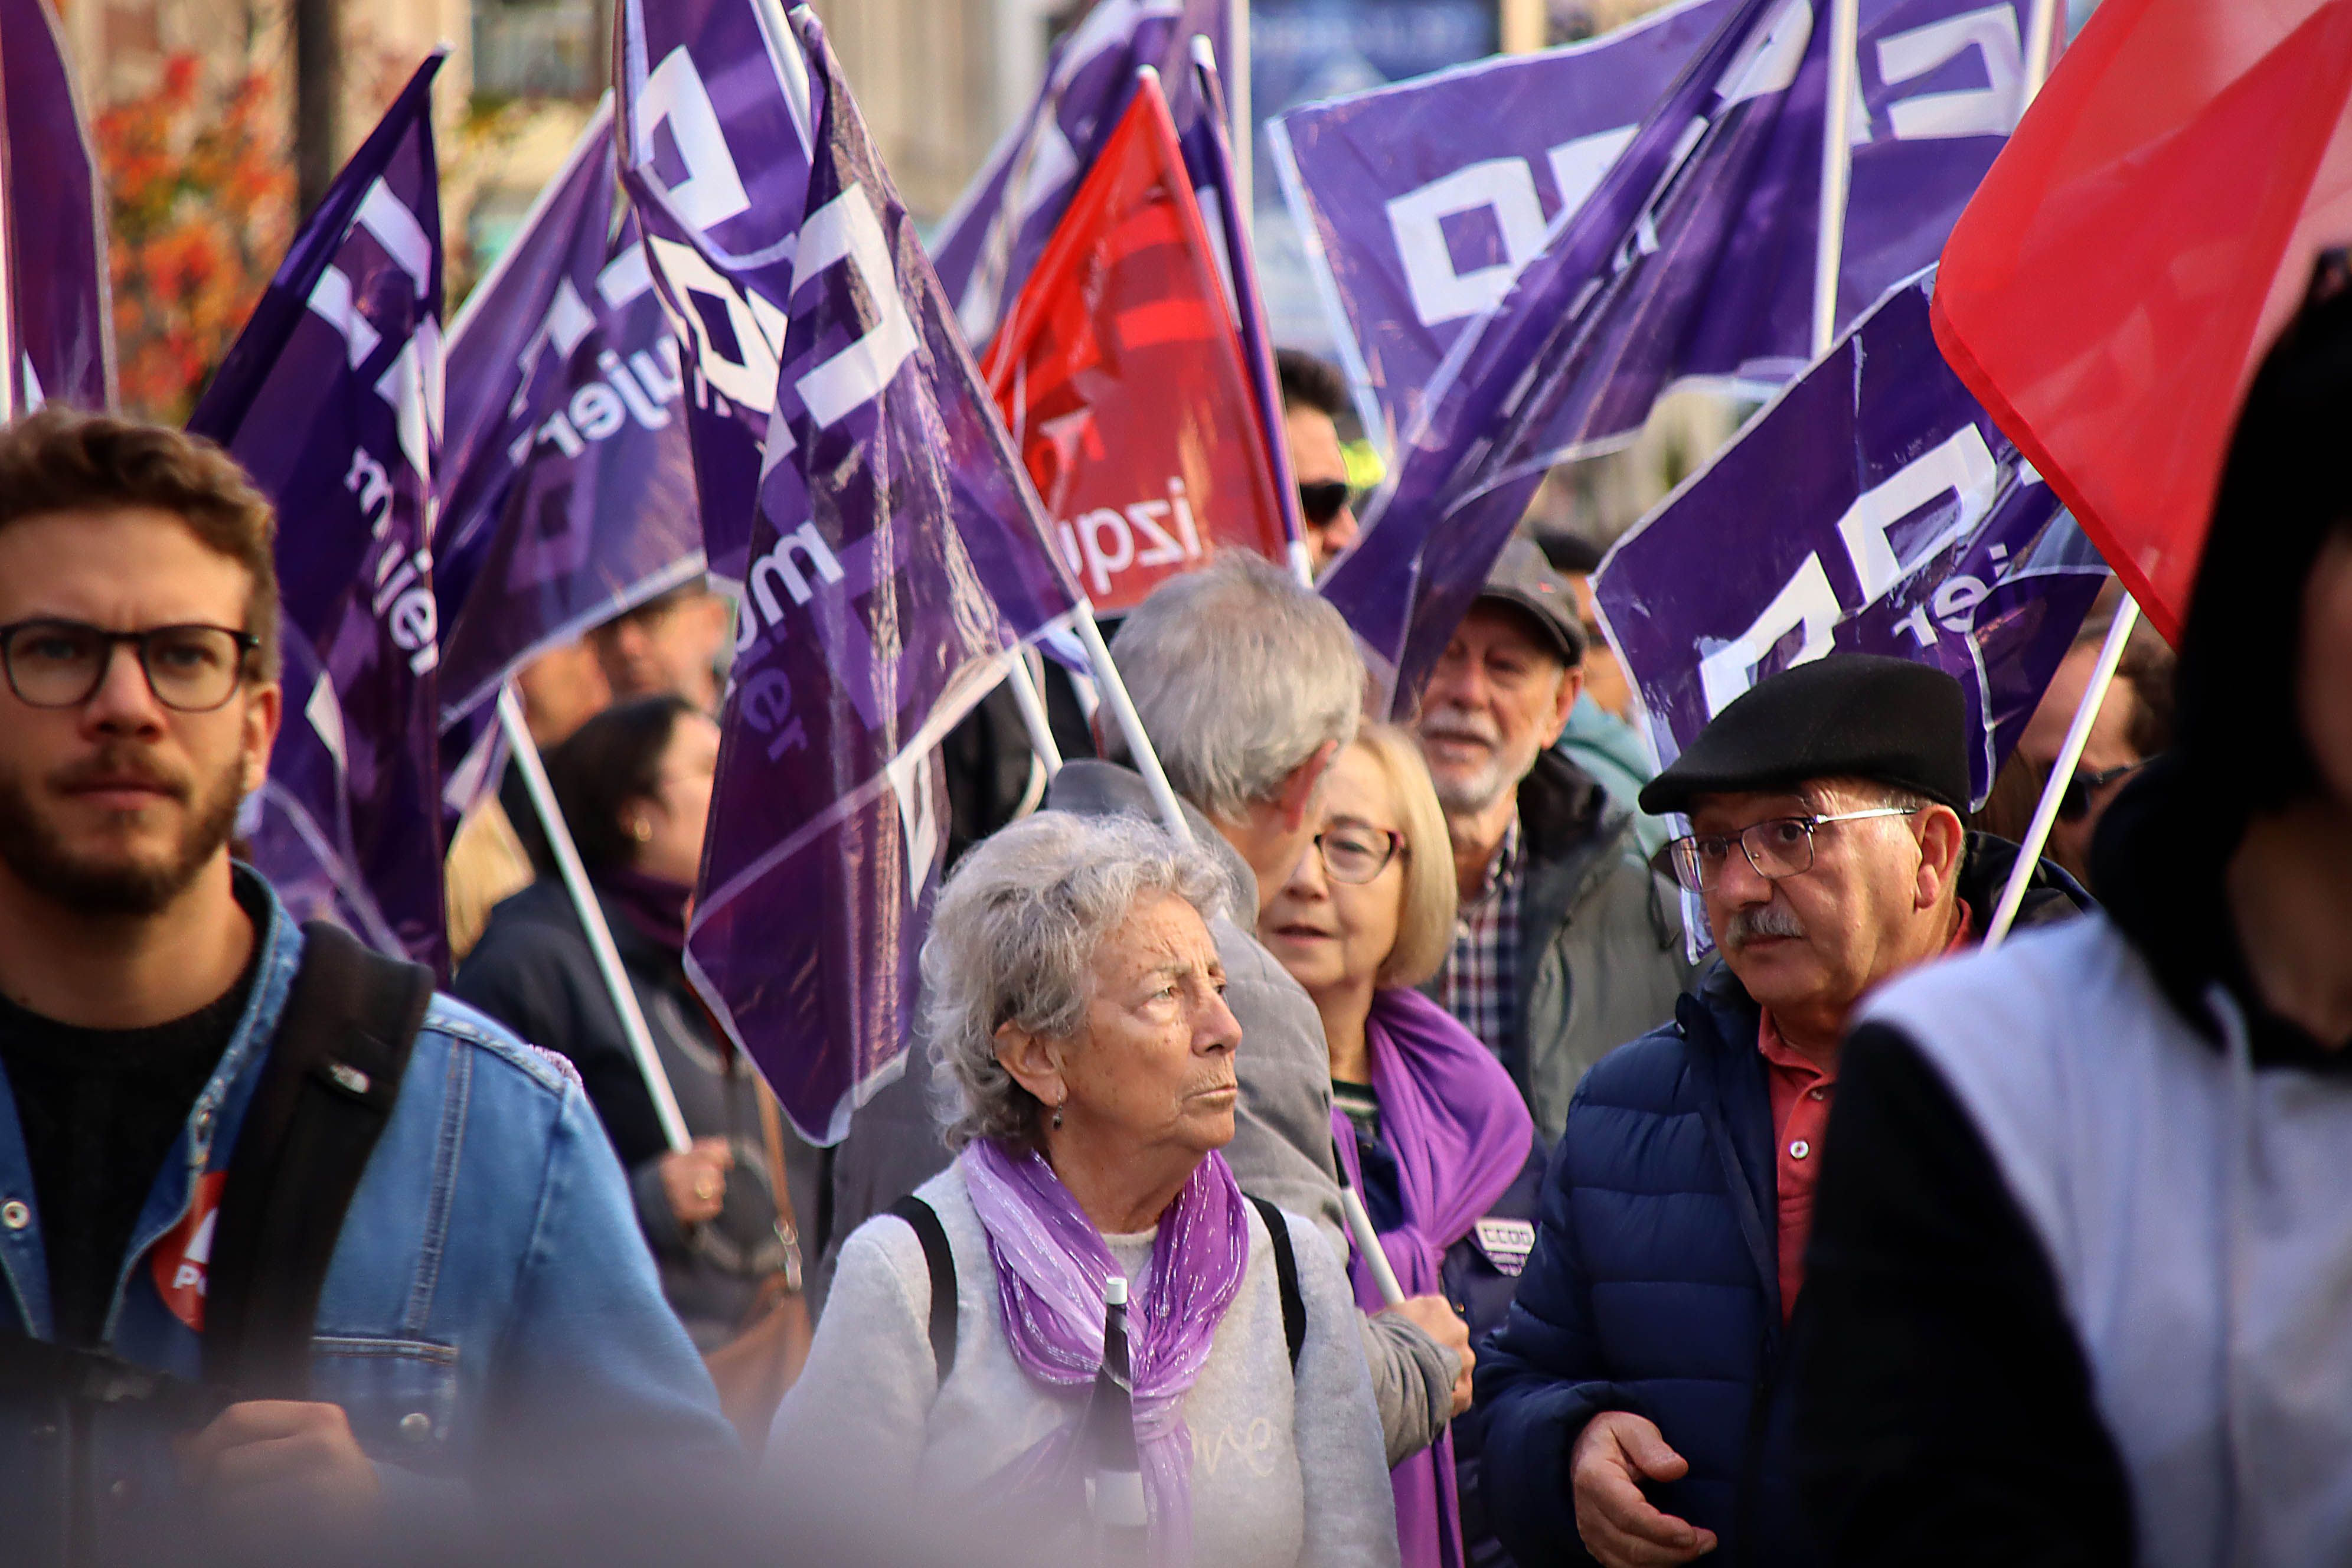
<point>1802,1091</point>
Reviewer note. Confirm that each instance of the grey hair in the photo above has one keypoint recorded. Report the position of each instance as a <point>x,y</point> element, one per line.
<point>1014,938</point>
<point>1240,673</point>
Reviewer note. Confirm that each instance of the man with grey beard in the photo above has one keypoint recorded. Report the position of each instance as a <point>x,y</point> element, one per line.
<point>1636,1397</point>
<point>1569,944</point>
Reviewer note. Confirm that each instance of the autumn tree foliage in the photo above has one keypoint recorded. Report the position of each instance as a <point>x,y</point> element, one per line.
<point>200,207</point>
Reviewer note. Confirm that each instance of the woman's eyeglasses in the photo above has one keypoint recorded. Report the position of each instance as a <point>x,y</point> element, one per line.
<point>1355,852</point>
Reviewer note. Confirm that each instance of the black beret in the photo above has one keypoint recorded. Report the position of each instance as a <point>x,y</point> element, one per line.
<point>1848,715</point>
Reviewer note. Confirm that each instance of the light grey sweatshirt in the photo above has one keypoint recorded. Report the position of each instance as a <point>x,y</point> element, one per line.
<point>1288,1470</point>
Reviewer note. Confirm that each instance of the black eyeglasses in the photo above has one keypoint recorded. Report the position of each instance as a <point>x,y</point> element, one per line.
<point>1782,846</point>
<point>1320,503</point>
<point>2075,804</point>
<point>1355,852</point>
<point>61,664</point>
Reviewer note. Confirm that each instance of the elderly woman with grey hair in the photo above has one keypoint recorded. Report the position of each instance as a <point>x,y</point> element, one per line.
<point>1087,1057</point>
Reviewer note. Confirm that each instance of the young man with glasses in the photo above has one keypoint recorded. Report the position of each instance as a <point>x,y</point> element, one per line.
<point>1636,1392</point>
<point>486,1293</point>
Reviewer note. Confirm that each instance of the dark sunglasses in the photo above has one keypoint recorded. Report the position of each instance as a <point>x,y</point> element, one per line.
<point>1320,503</point>
<point>2075,804</point>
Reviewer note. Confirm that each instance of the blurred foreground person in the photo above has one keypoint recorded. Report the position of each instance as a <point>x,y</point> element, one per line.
<point>285,1234</point>
<point>1429,1126</point>
<point>1074,1000</point>
<point>2082,1236</point>
<point>634,784</point>
<point>1568,943</point>
<point>1248,684</point>
<point>1314,399</point>
<point>1637,1396</point>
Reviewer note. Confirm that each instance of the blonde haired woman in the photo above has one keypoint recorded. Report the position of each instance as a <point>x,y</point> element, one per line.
<point>1429,1125</point>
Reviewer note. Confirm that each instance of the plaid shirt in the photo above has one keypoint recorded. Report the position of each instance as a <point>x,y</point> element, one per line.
<point>1480,982</point>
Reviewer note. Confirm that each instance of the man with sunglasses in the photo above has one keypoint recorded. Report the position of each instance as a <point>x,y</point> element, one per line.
<point>1314,400</point>
<point>487,1293</point>
<point>1636,1393</point>
<point>2135,724</point>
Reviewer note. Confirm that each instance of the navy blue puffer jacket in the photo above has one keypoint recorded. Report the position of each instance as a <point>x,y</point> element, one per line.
<point>1654,1288</point>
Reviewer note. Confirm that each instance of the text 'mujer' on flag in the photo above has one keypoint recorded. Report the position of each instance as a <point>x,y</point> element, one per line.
<point>567,474</point>
<point>331,399</point>
<point>898,557</point>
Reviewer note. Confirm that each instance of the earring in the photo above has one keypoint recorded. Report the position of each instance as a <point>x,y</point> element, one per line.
<point>1057,1115</point>
<point>641,831</point>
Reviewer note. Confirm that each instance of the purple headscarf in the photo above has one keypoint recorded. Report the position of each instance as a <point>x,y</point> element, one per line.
<point>1461,1135</point>
<point>1050,1263</point>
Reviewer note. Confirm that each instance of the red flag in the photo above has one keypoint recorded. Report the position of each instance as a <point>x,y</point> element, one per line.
<point>1119,372</point>
<point>2109,292</point>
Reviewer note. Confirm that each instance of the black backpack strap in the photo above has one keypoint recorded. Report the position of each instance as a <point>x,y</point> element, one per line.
<point>327,1089</point>
<point>925,1222</point>
<point>1286,1278</point>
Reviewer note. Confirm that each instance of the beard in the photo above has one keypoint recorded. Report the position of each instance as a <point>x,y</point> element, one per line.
<point>1465,794</point>
<point>121,882</point>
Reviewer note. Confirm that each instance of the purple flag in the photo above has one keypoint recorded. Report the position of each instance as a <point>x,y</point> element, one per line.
<point>991,241</point>
<point>567,470</point>
<point>331,399</point>
<point>1547,356</point>
<point>1899,522</point>
<point>899,556</point>
<point>713,115</point>
<point>1421,202</point>
<point>57,326</point>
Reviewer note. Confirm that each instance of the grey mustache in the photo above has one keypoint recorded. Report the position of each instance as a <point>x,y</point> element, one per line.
<point>1455,724</point>
<point>1764,920</point>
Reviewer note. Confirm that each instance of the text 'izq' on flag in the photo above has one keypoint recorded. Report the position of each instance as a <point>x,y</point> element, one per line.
<point>896,559</point>
<point>331,399</point>
<point>1120,373</point>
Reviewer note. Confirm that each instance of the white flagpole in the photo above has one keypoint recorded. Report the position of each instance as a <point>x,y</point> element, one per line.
<point>2042,32</point>
<point>2062,773</point>
<point>1032,703</point>
<point>1131,724</point>
<point>591,920</point>
<point>1837,165</point>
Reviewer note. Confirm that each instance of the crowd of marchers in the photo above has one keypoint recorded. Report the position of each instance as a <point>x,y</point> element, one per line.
<point>1844,1242</point>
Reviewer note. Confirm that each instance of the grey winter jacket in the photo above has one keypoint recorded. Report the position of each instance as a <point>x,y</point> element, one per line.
<point>1282,1134</point>
<point>1601,956</point>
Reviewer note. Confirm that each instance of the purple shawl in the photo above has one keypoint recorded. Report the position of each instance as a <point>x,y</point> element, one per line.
<point>1050,1263</point>
<point>1460,1135</point>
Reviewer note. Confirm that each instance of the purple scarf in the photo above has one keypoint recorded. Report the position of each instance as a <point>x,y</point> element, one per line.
<point>1050,1263</point>
<point>1460,1135</point>
<point>653,906</point>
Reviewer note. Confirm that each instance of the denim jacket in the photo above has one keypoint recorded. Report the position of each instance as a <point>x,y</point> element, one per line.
<point>489,1290</point>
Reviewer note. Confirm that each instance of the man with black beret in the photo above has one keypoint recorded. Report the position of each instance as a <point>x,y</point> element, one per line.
<point>1634,1396</point>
